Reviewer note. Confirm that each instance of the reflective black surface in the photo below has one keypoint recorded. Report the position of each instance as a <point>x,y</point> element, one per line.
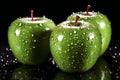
<point>10,68</point>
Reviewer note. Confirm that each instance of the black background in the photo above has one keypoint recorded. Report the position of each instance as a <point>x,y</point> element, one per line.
<point>58,11</point>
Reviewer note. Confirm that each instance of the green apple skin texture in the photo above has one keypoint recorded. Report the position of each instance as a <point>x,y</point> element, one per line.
<point>29,42</point>
<point>75,49</point>
<point>101,21</point>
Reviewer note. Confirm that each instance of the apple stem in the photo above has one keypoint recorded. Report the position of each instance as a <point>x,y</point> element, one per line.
<point>32,15</point>
<point>88,8</point>
<point>76,21</point>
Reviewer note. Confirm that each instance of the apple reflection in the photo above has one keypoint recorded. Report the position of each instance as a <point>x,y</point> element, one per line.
<point>100,71</point>
<point>34,72</point>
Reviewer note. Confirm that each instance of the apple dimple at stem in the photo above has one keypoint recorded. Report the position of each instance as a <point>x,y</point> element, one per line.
<point>70,24</point>
<point>88,8</point>
<point>32,15</point>
<point>76,21</point>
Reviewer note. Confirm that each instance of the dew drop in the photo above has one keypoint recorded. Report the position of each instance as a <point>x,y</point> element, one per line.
<point>32,35</point>
<point>73,56</point>
<point>19,24</point>
<point>14,61</point>
<point>47,29</point>
<point>2,60</point>
<point>34,41</point>
<point>110,48</point>
<point>81,54</point>
<point>53,62</point>
<point>68,64</point>
<point>25,49</point>
<point>71,43</point>
<point>23,40</point>
<point>82,44</point>
<point>75,44</point>
<point>74,67</point>
<point>119,54</point>
<point>26,41</point>
<point>7,56</point>
<point>7,49</point>
<point>113,56</point>
<point>1,56</point>
<point>76,53</point>
<point>70,34</point>
<point>115,47</point>
<point>33,46</point>
<point>72,63</point>
<point>30,27</point>
<point>83,33</point>
<point>68,50</point>
<point>17,32</point>
<point>72,47</point>
<point>74,32</point>
<point>68,45</point>
<point>64,32</point>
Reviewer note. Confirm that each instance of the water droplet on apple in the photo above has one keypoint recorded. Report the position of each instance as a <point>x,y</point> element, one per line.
<point>34,40</point>
<point>75,44</point>
<point>20,24</point>
<point>47,29</point>
<point>74,32</point>
<point>84,33</point>
<point>26,41</point>
<point>40,24</point>
<point>32,35</point>
<point>69,64</point>
<point>30,27</point>
<point>71,43</point>
<point>73,57</point>
<point>33,46</point>
<point>76,53</point>
<point>72,63</point>
<point>25,49</point>
<point>81,44</point>
<point>23,40</point>
<point>68,45</point>
<point>52,38</point>
<point>22,56</point>
<point>74,67</point>
<point>72,47</point>
<point>81,54</point>
<point>68,50</point>
<point>71,34</point>
<point>17,32</point>
<point>64,32</point>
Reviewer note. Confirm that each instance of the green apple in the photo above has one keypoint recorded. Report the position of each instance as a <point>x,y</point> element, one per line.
<point>100,71</point>
<point>29,39</point>
<point>75,48</point>
<point>99,20</point>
